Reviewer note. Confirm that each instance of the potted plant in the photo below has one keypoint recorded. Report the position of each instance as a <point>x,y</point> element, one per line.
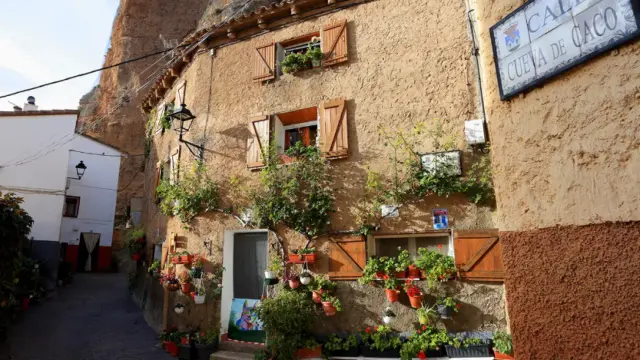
<point>200,295</point>
<point>380,341</point>
<point>305,277</point>
<point>294,280</point>
<point>374,270</point>
<point>343,347</point>
<point>502,345</point>
<point>426,342</point>
<point>388,315</point>
<point>274,268</point>
<point>168,339</point>
<point>330,304</point>
<point>206,343</point>
<point>185,282</point>
<point>314,53</point>
<point>308,255</point>
<point>321,286</point>
<point>391,289</point>
<point>468,348</point>
<point>170,282</point>
<point>183,258</point>
<point>295,62</point>
<point>401,263</point>
<point>426,314</point>
<point>154,268</point>
<point>436,267</point>
<point>447,306</point>
<point>414,293</point>
<point>414,272</point>
<point>294,256</point>
<point>197,267</point>
<point>135,243</point>
<point>178,308</point>
<point>310,349</point>
<point>185,347</point>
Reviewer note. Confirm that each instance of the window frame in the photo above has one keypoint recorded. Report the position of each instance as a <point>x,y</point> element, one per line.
<point>297,127</point>
<point>372,247</point>
<point>65,207</point>
<point>284,47</point>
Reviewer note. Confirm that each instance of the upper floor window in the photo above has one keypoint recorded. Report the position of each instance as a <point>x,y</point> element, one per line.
<point>71,206</point>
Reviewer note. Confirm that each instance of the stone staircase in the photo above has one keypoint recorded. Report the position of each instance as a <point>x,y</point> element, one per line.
<point>230,350</point>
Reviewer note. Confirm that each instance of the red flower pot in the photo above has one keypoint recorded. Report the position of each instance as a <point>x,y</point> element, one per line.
<point>308,353</point>
<point>329,309</point>
<point>295,258</point>
<point>193,295</point>
<point>416,301</point>
<point>182,259</point>
<point>186,288</point>
<point>316,296</point>
<point>309,258</point>
<point>171,347</point>
<point>380,274</point>
<point>392,295</point>
<point>136,257</point>
<point>414,272</point>
<point>498,355</point>
<point>401,274</point>
<point>294,283</point>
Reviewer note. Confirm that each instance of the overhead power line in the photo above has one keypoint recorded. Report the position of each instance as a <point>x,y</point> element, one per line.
<point>92,71</point>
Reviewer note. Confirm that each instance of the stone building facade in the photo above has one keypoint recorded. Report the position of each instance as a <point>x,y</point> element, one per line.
<point>395,64</point>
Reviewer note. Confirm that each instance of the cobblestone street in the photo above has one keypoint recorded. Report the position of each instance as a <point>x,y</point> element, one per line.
<point>93,319</point>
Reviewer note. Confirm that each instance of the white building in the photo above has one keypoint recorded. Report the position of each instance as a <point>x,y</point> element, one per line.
<point>34,153</point>
<point>90,204</point>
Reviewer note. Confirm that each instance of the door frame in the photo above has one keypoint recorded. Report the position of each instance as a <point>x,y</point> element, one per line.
<point>95,256</point>
<point>227,276</point>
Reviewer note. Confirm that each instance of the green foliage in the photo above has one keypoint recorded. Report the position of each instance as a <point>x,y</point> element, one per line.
<point>208,337</point>
<point>332,299</point>
<point>466,342</point>
<point>403,260</point>
<point>424,339</point>
<point>262,355</point>
<point>135,240</point>
<point>322,283</point>
<point>435,265</point>
<point>391,283</point>
<point>380,338</point>
<point>373,266</point>
<point>286,319</point>
<point>503,342</point>
<point>149,130</point>
<point>154,267</point>
<point>448,302</point>
<point>427,313</point>
<point>335,343</point>
<point>295,62</point>
<point>275,263</point>
<point>195,194</point>
<point>165,121</point>
<point>297,195</point>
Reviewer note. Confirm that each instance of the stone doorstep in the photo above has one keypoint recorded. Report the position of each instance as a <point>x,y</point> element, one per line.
<point>239,347</point>
<point>230,355</point>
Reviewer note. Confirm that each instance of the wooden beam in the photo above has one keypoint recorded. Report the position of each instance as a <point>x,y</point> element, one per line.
<point>262,23</point>
<point>231,34</point>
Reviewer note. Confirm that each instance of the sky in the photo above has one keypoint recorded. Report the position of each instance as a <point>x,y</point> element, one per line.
<point>45,40</point>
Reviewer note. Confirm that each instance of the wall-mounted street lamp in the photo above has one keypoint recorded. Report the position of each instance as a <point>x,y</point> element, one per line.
<point>80,169</point>
<point>184,119</point>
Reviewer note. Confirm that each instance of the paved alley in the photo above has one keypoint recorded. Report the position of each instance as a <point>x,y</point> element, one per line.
<point>93,319</point>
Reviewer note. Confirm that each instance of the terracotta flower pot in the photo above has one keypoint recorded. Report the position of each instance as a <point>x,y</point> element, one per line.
<point>380,274</point>
<point>295,258</point>
<point>498,355</point>
<point>186,288</point>
<point>416,301</point>
<point>414,272</point>
<point>309,258</point>
<point>316,296</point>
<point>401,274</point>
<point>392,295</point>
<point>136,257</point>
<point>294,283</point>
<point>329,309</point>
<point>171,347</point>
<point>182,259</point>
<point>310,353</point>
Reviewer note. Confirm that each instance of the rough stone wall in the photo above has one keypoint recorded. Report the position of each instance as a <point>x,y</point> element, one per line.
<point>394,77</point>
<point>572,291</point>
<point>113,115</point>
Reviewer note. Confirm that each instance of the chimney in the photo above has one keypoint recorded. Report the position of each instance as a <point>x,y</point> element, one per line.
<point>31,104</point>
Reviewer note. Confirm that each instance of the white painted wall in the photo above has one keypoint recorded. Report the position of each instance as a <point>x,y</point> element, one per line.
<point>34,152</point>
<point>97,191</point>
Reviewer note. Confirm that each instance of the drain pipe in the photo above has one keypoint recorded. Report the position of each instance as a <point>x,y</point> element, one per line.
<point>475,52</point>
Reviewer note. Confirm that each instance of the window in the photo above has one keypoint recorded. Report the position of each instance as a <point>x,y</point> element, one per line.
<point>387,245</point>
<point>71,206</point>
<point>296,126</point>
<point>174,166</point>
<point>159,115</point>
<point>299,45</point>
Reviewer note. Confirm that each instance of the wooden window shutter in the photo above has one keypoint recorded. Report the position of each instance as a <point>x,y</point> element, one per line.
<point>258,143</point>
<point>264,62</point>
<point>334,44</point>
<point>478,255</point>
<point>334,139</point>
<point>347,257</point>
<point>157,180</point>
<point>180,95</point>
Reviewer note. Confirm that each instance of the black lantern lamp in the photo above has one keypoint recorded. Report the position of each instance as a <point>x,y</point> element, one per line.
<point>80,169</point>
<point>184,119</point>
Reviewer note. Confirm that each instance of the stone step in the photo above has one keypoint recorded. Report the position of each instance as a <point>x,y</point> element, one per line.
<point>230,355</point>
<point>240,347</point>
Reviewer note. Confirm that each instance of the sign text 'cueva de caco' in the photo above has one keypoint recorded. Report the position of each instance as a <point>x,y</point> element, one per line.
<point>543,38</point>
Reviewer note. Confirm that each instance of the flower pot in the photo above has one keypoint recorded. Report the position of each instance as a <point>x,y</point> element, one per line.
<point>316,296</point>
<point>182,259</point>
<point>309,258</point>
<point>392,295</point>
<point>435,353</point>
<point>186,288</point>
<point>270,282</point>
<point>470,351</point>
<point>136,257</point>
<point>294,283</point>
<point>416,301</point>
<point>295,258</point>
<point>328,308</point>
<point>178,310</point>
<point>353,352</point>
<point>445,311</point>
<point>173,287</point>
<point>388,353</point>
<point>305,280</point>
<point>204,351</point>
<point>380,274</point>
<point>401,274</point>
<point>499,355</point>
<point>199,299</point>
<point>171,347</point>
<point>387,319</point>
<point>308,353</point>
<point>186,352</point>
<point>414,272</point>
<point>269,275</point>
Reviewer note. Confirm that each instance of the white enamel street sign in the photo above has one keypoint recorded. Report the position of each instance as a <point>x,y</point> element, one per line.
<point>543,38</point>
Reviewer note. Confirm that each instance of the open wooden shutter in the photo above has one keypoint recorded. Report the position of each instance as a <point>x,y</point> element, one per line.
<point>180,94</point>
<point>334,139</point>
<point>334,44</point>
<point>347,257</point>
<point>478,255</point>
<point>158,177</point>
<point>258,143</point>
<point>264,62</point>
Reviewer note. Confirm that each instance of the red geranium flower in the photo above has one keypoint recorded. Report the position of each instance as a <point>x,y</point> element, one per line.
<point>202,334</point>
<point>424,327</point>
<point>458,306</point>
<point>368,329</point>
<point>375,328</point>
<point>421,355</point>
<point>418,331</point>
<point>386,277</point>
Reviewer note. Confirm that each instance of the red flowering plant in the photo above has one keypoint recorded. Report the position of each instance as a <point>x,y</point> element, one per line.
<point>380,338</point>
<point>206,337</point>
<point>424,339</point>
<point>411,289</point>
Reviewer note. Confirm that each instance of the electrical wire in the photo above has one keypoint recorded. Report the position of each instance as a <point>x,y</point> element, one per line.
<point>103,154</point>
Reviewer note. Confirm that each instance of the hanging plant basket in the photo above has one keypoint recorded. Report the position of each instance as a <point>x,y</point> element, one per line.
<point>182,259</point>
<point>173,287</point>
<point>178,309</point>
<point>392,295</point>
<point>305,280</point>
<point>271,282</point>
<point>329,308</point>
<point>294,283</point>
<point>199,299</point>
<point>316,296</point>
<point>270,275</point>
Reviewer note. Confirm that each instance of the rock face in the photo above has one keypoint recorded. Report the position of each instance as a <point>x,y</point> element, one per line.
<point>111,111</point>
